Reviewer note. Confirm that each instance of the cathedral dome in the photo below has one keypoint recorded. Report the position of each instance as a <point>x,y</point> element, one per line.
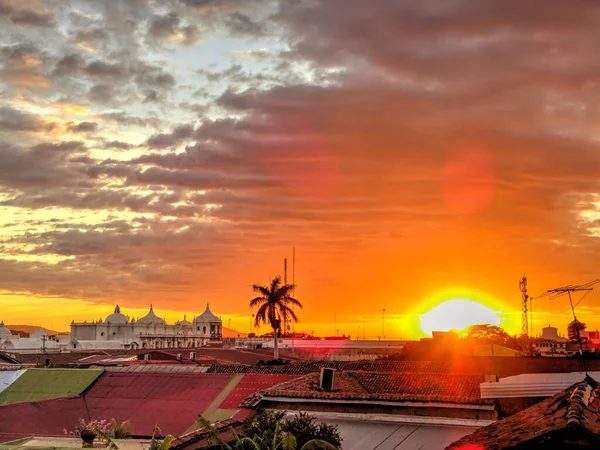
<point>116,317</point>
<point>207,316</point>
<point>4,332</point>
<point>151,319</point>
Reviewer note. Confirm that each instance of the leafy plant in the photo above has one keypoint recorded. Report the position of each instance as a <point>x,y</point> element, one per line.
<point>160,444</point>
<point>272,431</point>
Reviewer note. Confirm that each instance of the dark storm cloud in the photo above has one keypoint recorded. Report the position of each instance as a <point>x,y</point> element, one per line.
<point>69,64</point>
<point>103,69</point>
<point>42,165</point>
<point>117,145</point>
<point>123,118</point>
<point>83,127</point>
<point>240,24</point>
<point>152,97</point>
<point>177,136</point>
<point>169,27</point>
<point>14,120</point>
<point>102,93</point>
<point>92,38</point>
<point>23,66</point>
<point>27,17</point>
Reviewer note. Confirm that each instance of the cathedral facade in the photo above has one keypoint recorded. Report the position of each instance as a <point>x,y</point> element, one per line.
<point>150,331</point>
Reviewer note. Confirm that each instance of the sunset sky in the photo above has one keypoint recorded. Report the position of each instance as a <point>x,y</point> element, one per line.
<point>174,152</point>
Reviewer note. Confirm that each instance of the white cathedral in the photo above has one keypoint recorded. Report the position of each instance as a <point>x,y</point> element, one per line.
<point>150,331</point>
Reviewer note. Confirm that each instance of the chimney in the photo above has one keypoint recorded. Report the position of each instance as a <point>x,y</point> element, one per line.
<point>491,378</point>
<point>327,379</point>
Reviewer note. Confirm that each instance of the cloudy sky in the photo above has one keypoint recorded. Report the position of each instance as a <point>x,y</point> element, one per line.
<point>174,152</point>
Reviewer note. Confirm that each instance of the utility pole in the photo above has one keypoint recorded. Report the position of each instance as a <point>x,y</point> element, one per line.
<point>363,328</point>
<point>334,323</point>
<point>383,324</point>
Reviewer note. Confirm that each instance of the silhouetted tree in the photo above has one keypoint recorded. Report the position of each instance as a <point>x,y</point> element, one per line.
<point>274,307</point>
<point>572,329</point>
<point>488,333</point>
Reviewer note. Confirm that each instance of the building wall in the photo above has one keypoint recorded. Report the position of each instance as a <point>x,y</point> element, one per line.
<point>432,411</point>
<point>147,335</point>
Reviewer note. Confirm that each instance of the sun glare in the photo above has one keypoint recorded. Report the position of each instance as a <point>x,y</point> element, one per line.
<point>457,314</point>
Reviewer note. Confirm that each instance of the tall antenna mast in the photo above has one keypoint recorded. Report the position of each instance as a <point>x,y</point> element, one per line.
<point>568,290</point>
<point>294,283</point>
<point>284,270</point>
<point>294,266</point>
<point>524,298</point>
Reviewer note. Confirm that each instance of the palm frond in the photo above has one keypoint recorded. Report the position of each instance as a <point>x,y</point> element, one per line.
<point>257,301</point>
<point>166,442</point>
<point>262,290</point>
<point>246,441</point>
<point>316,444</point>
<point>261,315</point>
<point>292,301</point>
<point>275,283</point>
<point>288,312</point>
<point>104,437</point>
<point>288,441</point>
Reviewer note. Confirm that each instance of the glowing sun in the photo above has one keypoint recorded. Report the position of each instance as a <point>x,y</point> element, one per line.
<point>457,314</point>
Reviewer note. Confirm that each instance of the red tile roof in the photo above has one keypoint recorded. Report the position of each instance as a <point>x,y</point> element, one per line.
<point>570,415</point>
<point>250,384</point>
<point>41,418</point>
<point>386,386</point>
<point>171,401</point>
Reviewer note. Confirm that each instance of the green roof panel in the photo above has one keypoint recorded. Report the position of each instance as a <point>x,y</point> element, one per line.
<point>43,384</point>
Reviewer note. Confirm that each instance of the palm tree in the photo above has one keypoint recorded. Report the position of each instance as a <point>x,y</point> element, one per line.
<point>274,305</point>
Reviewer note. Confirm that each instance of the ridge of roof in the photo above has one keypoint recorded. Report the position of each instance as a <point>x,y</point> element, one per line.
<point>382,386</point>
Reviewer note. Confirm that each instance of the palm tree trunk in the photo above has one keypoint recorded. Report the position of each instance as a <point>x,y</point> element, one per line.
<point>275,345</point>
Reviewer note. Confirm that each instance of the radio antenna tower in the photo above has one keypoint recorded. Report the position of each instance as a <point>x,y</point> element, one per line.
<point>525,298</point>
<point>568,290</point>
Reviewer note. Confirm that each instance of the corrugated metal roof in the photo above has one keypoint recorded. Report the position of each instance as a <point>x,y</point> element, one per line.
<point>533,384</point>
<point>40,384</point>
<point>386,436</point>
<point>42,418</point>
<point>147,399</point>
<point>8,377</point>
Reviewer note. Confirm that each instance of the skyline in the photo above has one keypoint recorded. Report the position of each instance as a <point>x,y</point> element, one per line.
<point>173,153</point>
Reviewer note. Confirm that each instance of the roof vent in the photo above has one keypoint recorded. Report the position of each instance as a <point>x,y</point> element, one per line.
<point>491,378</point>
<point>147,357</point>
<point>326,381</point>
<point>193,356</point>
<point>179,356</point>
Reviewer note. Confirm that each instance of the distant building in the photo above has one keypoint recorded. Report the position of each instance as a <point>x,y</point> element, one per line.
<point>38,340</point>
<point>151,331</point>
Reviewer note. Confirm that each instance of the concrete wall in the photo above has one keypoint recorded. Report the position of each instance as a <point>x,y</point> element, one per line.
<point>432,411</point>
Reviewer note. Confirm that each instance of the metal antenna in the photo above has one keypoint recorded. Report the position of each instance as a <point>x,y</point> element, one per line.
<point>568,290</point>
<point>524,298</point>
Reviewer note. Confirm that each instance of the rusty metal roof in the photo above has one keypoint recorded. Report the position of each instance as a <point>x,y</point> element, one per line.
<point>173,401</point>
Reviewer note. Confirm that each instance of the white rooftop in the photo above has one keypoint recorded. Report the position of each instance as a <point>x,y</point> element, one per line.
<point>533,384</point>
